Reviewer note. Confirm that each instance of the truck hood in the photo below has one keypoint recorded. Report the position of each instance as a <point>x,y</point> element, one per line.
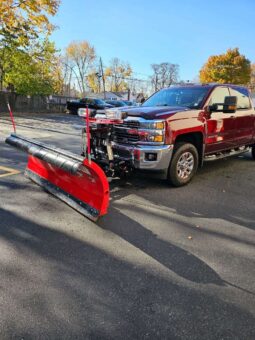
<point>152,112</point>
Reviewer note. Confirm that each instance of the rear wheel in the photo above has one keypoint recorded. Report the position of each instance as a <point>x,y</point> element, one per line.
<point>253,152</point>
<point>184,164</point>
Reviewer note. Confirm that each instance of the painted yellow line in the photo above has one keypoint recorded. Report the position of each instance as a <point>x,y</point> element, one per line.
<point>9,171</point>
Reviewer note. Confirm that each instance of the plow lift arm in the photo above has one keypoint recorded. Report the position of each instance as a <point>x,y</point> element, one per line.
<point>76,180</point>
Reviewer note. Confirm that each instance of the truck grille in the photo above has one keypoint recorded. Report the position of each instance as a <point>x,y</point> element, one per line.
<point>131,124</point>
<point>120,134</point>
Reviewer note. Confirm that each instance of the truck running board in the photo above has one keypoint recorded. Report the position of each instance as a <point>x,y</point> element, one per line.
<point>230,153</point>
<point>78,182</point>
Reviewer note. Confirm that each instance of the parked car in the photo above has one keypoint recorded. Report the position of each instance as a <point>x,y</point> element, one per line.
<point>116,103</point>
<point>177,129</point>
<point>129,103</point>
<point>92,103</point>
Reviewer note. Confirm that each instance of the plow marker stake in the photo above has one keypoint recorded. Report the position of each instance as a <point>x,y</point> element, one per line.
<point>76,181</point>
<point>12,118</point>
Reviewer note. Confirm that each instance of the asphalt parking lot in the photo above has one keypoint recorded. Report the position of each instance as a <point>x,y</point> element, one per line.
<point>165,263</point>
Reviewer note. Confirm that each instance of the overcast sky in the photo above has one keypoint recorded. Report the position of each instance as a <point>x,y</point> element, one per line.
<point>143,32</point>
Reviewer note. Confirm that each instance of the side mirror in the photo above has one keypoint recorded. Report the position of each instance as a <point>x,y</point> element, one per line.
<point>212,108</point>
<point>230,104</point>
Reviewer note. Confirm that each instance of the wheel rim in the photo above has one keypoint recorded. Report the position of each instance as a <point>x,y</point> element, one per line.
<point>185,165</point>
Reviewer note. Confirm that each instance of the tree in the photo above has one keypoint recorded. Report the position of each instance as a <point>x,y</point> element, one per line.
<point>23,20</point>
<point>80,56</point>
<point>155,79</point>
<point>30,72</point>
<point>94,81</point>
<point>117,74</point>
<point>24,44</point>
<point>164,74</point>
<point>231,67</point>
<point>252,83</point>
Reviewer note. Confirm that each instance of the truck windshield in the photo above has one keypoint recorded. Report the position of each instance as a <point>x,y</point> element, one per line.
<point>191,97</point>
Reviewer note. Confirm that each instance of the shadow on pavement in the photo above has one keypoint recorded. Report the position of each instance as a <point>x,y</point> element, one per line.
<point>178,260</point>
<point>209,195</point>
<point>56,286</point>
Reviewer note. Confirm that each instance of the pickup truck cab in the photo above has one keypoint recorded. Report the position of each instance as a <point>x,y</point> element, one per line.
<point>178,128</point>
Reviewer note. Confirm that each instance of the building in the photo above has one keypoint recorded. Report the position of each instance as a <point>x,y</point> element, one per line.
<point>117,95</point>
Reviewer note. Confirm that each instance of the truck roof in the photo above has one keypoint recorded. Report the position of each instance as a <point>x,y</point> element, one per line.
<point>206,85</point>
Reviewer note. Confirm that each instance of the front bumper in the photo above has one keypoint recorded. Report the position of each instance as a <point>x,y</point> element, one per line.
<point>139,155</point>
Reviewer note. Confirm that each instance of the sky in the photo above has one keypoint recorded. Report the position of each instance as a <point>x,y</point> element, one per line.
<point>184,32</point>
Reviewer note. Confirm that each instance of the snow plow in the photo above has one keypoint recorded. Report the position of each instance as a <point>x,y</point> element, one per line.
<point>78,182</point>
<point>74,179</point>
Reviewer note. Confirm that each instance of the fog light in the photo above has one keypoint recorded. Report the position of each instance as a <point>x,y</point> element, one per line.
<point>150,157</point>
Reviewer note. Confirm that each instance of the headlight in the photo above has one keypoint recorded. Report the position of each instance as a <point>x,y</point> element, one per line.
<point>158,125</point>
<point>149,135</point>
<point>113,114</point>
<point>159,139</point>
<point>82,112</point>
<point>152,132</point>
<point>152,136</point>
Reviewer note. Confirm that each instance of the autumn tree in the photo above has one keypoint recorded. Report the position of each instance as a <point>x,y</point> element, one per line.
<point>81,56</point>
<point>117,74</point>
<point>58,77</point>
<point>26,56</point>
<point>231,67</point>
<point>94,81</point>
<point>164,74</point>
<point>252,82</point>
<point>23,20</point>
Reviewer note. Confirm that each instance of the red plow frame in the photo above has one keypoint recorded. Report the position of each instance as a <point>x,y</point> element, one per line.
<point>76,180</point>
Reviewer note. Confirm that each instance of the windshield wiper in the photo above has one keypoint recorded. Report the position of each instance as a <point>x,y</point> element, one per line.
<point>162,105</point>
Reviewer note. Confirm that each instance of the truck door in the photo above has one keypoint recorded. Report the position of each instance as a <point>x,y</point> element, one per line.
<point>244,116</point>
<point>220,126</point>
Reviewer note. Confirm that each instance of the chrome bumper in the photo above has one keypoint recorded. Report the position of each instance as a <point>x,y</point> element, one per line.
<point>138,154</point>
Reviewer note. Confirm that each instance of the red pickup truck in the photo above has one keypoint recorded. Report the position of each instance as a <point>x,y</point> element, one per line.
<point>176,130</point>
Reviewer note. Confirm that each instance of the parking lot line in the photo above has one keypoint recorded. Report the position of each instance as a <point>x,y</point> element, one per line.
<point>7,171</point>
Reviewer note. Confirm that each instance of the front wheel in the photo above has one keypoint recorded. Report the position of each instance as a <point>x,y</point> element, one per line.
<point>253,152</point>
<point>184,164</point>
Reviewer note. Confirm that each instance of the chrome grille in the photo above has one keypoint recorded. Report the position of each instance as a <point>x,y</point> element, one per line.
<point>120,134</point>
<point>131,124</point>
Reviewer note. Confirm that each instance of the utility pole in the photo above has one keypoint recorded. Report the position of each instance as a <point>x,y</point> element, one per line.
<point>98,74</point>
<point>102,73</point>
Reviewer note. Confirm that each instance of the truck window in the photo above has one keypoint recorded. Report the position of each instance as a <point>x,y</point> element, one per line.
<point>191,97</point>
<point>218,96</point>
<point>243,98</point>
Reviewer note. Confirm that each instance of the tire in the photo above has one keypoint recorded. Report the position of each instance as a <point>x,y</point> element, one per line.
<point>253,152</point>
<point>183,165</point>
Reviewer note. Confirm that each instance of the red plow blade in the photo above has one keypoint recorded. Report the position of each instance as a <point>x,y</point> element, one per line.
<point>78,182</point>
